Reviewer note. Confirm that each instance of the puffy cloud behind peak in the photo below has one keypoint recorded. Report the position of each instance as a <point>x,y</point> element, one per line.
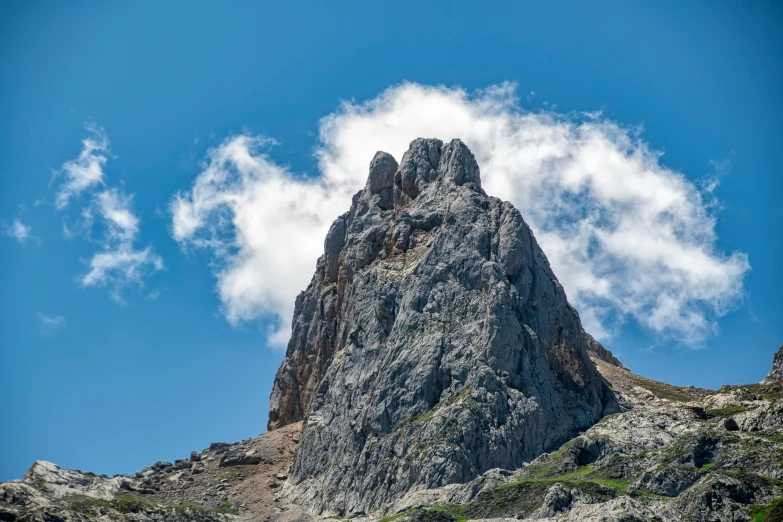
<point>627,236</point>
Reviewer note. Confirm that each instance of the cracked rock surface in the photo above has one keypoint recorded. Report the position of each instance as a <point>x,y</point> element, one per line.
<point>776,373</point>
<point>434,342</point>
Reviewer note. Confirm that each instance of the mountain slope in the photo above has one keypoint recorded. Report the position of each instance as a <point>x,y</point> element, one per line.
<point>219,484</point>
<point>674,454</point>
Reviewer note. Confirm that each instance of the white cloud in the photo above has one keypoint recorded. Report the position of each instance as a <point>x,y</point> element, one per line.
<point>86,171</point>
<point>50,324</point>
<point>118,263</point>
<point>18,231</point>
<point>626,236</point>
<point>265,226</point>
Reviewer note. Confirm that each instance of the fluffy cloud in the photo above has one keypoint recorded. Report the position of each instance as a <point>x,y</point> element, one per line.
<point>265,225</point>
<point>627,237</point>
<point>118,263</point>
<point>18,231</point>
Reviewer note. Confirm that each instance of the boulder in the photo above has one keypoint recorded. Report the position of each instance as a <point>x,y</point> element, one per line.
<point>238,458</point>
<point>557,500</point>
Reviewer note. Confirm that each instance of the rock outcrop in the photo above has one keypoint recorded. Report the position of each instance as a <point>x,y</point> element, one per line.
<point>667,457</point>
<point>776,373</point>
<point>597,349</point>
<point>433,344</point>
<point>206,490</point>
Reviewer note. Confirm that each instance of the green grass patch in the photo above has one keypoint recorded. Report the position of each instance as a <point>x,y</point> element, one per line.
<point>130,503</point>
<point>666,391</point>
<point>770,392</point>
<point>617,484</point>
<point>458,511</point>
<point>728,411</point>
<point>584,474</point>
<point>519,499</point>
<point>85,504</point>
<point>705,468</point>
<point>772,512</point>
<point>127,503</point>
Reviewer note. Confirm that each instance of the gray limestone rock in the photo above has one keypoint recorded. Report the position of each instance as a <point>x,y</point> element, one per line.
<point>180,464</point>
<point>433,343</point>
<point>383,167</point>
<point>557,500</point>
<point>602,353</point>
<point>238,458</point>
<point>776,373</point>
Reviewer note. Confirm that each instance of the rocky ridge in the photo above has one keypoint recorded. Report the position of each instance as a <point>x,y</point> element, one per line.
<point>222,483</point>
<point>672,454</point>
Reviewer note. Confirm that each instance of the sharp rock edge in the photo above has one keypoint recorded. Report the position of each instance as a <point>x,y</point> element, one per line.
<point>776,373</point>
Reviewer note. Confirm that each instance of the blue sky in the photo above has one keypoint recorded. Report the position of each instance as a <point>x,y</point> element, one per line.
<point>177,350</point>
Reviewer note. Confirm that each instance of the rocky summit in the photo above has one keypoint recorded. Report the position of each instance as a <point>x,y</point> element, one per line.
<point>437,373</point>
<point>433,343</point>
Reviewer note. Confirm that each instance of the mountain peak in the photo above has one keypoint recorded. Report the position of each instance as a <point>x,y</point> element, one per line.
<point>433,342</point>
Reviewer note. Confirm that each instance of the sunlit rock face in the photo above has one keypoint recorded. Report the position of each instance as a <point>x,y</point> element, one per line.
<point>776,373</point>
<point>433,343</point>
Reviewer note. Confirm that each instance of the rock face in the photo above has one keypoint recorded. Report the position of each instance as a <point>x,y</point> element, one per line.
<point>598,350</point>
<point>433,343</point>
<point>776,374</point>
<point>667,457</point>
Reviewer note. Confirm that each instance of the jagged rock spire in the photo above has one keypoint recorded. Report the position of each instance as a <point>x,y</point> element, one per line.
<point>432,344</point>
